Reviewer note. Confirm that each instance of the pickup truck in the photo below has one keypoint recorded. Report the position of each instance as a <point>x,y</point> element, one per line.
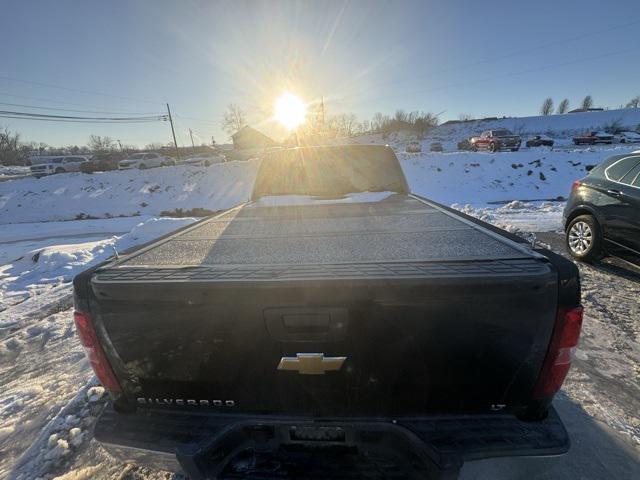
<point>591,138</point>
<point>496,140</point>
<point>334,323</point>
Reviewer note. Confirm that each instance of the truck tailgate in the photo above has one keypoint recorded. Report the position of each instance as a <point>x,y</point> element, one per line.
<point>431,311</point>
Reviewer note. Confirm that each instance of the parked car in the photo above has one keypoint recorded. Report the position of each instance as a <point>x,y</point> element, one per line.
<point>436,147</point>
<point>591,138</point>
<point>382,325</point>
<point>539,141</point>
<point>102,162</point>
<point>145,160</point>
<point>627,137</point>
<point>62,164</point>
<point>465,144</point>
<point>602,215</point>
<point>496,140</point>
<point>413,147</point>
<point>202,160</point>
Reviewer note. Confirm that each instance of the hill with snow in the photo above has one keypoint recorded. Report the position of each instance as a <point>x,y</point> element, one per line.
<point>558,127</point>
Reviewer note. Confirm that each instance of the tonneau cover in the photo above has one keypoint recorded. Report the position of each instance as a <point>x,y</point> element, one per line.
<point>399,229</point>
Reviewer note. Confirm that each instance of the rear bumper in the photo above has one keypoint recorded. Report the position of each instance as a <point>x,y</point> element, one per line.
<point>235,446</point>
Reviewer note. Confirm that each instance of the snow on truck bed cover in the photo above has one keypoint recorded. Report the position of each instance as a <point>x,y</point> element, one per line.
<point>400,236</point>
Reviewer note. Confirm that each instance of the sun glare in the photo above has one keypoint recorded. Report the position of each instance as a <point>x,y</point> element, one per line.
<point>290,110</point>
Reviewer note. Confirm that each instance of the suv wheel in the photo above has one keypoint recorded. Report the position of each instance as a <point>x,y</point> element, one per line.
<point>584,238</point>
<point>142,166</point>
<point>493,147</point>
<point>59,170</point>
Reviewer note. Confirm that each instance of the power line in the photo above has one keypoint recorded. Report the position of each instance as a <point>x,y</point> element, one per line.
<point>75,121</point>
<point>513,53</point>
<point>512,74</point>
<point>196,119</point>
<point>42,115</point>
<point>68,89</point>
<point>69,118</point>
<point>542,46</point>
<point>62,102</point>
<point>77,111</point>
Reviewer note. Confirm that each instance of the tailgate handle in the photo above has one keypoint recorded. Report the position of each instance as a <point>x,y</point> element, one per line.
<point>310,322</point>
<point>301,324</point>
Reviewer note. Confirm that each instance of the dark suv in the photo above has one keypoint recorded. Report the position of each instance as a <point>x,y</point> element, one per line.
<point>102,162</point>
<point>602,215</point>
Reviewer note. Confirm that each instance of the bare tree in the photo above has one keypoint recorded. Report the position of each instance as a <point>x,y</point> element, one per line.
<point>98,143</point>
<point>424,122</point>
<point>400,116</point>
<point>344,125</point>
<point>465,117</point>
<point>563,107</point>
<point>12,152</point>
<point>547,107</point>
<point>587,103</point>
<point>234,119</point>
<point>377,122</point>
<point>634,102</point>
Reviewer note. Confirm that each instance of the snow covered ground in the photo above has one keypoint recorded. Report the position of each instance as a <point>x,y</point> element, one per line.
<point>48,397</point>
<point>39,257</point>
<point>73,196</point>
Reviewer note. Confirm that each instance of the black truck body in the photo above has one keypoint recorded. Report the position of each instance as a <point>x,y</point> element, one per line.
<point>396,326</point>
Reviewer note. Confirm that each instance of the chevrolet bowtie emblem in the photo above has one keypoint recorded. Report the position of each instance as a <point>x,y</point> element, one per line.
<point>311,363</point>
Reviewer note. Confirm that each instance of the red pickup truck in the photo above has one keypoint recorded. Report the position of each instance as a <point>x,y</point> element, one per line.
<point>591,138</point>
<point>496,140</point>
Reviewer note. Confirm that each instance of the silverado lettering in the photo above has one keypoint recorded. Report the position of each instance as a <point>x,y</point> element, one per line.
<point>188,402</point>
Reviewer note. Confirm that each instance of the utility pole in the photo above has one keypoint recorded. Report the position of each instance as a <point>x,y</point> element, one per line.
<point>120,143</point>
<point>322,110</point>
<point>173,132</point>
<point>192,144</point>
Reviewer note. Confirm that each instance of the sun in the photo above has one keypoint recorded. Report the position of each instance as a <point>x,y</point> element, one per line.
<point>290,111</point>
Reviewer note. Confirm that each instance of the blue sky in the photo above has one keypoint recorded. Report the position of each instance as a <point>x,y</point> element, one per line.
<point>479,58</point>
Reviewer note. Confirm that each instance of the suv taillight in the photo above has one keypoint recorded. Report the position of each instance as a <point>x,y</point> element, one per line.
<point>564,341</point>
<point>95,354</point>
<point>575,185</point>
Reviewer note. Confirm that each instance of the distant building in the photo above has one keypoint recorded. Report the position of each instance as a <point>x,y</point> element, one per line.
<point>248,138</point>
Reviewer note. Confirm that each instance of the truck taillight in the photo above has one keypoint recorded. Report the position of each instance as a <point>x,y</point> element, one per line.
<point>564,341</point>
<point>95,354</point>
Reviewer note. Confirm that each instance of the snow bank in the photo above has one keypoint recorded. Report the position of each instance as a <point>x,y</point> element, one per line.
<point>481,178</point>
<point>520,217</point>
<point>35,270</point>
<point>10,170</point>
<point>72,196</point>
